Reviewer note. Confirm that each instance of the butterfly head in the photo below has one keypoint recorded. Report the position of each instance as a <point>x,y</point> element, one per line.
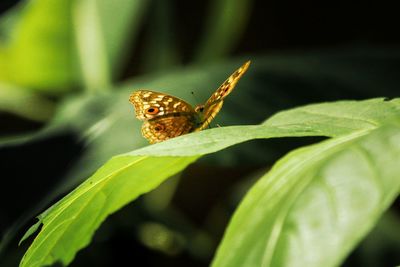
<point>199,108</point>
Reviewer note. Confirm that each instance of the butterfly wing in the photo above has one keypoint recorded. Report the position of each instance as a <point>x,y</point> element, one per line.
<point>215,102</point>
<point>150,104</point>
<point>163,128</point>
<point>164,116</point>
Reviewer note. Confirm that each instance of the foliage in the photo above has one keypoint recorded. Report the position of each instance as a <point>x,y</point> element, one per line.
<point>325,190</point>
<point>69,67</point>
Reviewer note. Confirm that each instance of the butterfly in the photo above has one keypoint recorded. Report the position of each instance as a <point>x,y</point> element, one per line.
<point>166,116</point>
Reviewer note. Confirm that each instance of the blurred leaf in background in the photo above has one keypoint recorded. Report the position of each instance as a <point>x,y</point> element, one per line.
<point>49,48</point>
<point>39,52</point>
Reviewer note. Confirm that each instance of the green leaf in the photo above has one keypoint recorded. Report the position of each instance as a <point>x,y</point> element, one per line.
<point>106,125</point>
<point>226,23</point>
<point>71,222</point>
<point>39,52</point>
<point>36,107</point>
<point>52,45</point>
<point>120,32</point>
<point>328,119</point>
<point>30,231</point>
<point>103,39</point>
<point>316,204</point>
<point>347,164</point>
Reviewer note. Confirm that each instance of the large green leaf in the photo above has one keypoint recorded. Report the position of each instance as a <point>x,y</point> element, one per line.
<point>55,46</point>
<point>40,50</point>
<point>316,204</point>
<point>276,222</point>
<point>120,181</point>
<point>106,125</point>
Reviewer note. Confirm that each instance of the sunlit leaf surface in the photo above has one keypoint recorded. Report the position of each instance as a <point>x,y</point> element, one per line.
<point>327,189</point>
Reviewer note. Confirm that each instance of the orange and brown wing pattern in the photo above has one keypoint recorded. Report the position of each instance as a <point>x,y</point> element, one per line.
<point>215,102</point>
<point>150,104</point>
<point>163,128</point>
<point>164,116</point>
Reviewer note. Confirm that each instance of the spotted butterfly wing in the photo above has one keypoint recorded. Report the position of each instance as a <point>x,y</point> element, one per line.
<point>165,116</point>
<point>210,109</point>
<point>163,128</point>
<point>149,104</point>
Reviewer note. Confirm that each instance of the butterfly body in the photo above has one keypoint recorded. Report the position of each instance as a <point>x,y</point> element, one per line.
<point>167,116</point>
